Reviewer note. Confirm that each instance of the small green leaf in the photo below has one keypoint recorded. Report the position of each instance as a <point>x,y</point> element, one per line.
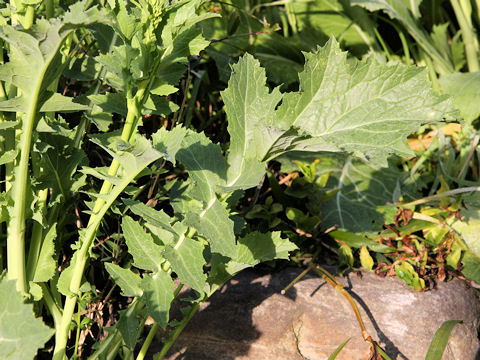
<point>186,259</point>
<point>215,224</point>
<point>471,266</point>
<point>205,164</point>
<point>151,216</point>
<point>345,258</point>
<point>440,340</point>
<point>8,156</point>
<point>146,254</point>
<point>111,102</point>
<point>257,247</point>
<point>158,294</point>
<point>46,264</point>
<point>169,142</point>
<point>334,355</point>
<point>129,282</point>
<point>59,103</point>
<point>357,241</point>
<point>129,326</point>
<point>158,105</point>
<point>365,259</point>
<point>21,334</point>
<point>409,276</point>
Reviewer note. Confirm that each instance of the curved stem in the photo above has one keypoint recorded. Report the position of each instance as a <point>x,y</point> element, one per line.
<point>148,341</point>
<point>178,331</point>
<point>98,212</point>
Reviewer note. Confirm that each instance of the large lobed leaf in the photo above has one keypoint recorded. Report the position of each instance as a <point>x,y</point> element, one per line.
<point>21,334</point>
<point>249,105</point>
<point>363,195</point>
<point>361,107</point>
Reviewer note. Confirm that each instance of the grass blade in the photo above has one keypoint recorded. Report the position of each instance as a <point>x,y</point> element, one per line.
<point>440,340</point>
<point>333,355</point>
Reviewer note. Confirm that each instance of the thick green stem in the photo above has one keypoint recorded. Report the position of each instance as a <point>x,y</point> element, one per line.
<point>468,32</point>
<point>16,226</point>
<point>98,211</point>
<point>29,17</point>
<point>49,8</point>
<point>147,342</point>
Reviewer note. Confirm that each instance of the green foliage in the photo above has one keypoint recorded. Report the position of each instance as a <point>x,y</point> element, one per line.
<point>21,333</point>
<point>440,340</point>
<point>102,188</point>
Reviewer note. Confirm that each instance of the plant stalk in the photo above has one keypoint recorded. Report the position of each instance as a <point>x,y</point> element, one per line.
<point>468,32</point>
<point>98,211</point>
<point>178,331</point>
<point>148,341</point>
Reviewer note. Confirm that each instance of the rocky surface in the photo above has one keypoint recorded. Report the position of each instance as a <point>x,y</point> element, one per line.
<point>249,319</point>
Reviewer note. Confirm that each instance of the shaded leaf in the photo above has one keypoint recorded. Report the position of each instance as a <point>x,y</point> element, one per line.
<point>158,294</point>
<point>186,259</point>
<point>215,224</point>
<point>129,282</point>
<point>146,254</point>
<point>205,164</point>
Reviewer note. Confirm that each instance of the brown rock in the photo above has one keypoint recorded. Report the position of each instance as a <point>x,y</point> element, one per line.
<point>249,319</point>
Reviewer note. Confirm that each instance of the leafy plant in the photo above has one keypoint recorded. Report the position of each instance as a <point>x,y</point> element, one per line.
<point>187,227</point>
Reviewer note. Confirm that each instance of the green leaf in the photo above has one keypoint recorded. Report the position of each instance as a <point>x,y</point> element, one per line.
<point>465,90</point>
<point>468,229</point>
<point>471,266</point>
<point>111,102</point>
<point>362,194</point>
<point>169,142</point>
<point>409,276</point>
<point>257,247</point>
<point>158,105</point>
<point>366,259</point>
<point>21,334</point>
<point>334,355</point>
<point>401,10</point>
<point>205,164</point>
<point>440,340</point>
<point>363,107</point>
<point>46,264</point>
<point>249,106</point>
<point>8,156</point>
<point>129,326</point>
<point>58,103</point>
<point>129,282</point>
<point>146,254</point>
<point>186,259</point>
<point>357,241</point>
<point>215,224</point>
<point>8,124</point>
<point>158,294</point>
<point>150,215</point>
